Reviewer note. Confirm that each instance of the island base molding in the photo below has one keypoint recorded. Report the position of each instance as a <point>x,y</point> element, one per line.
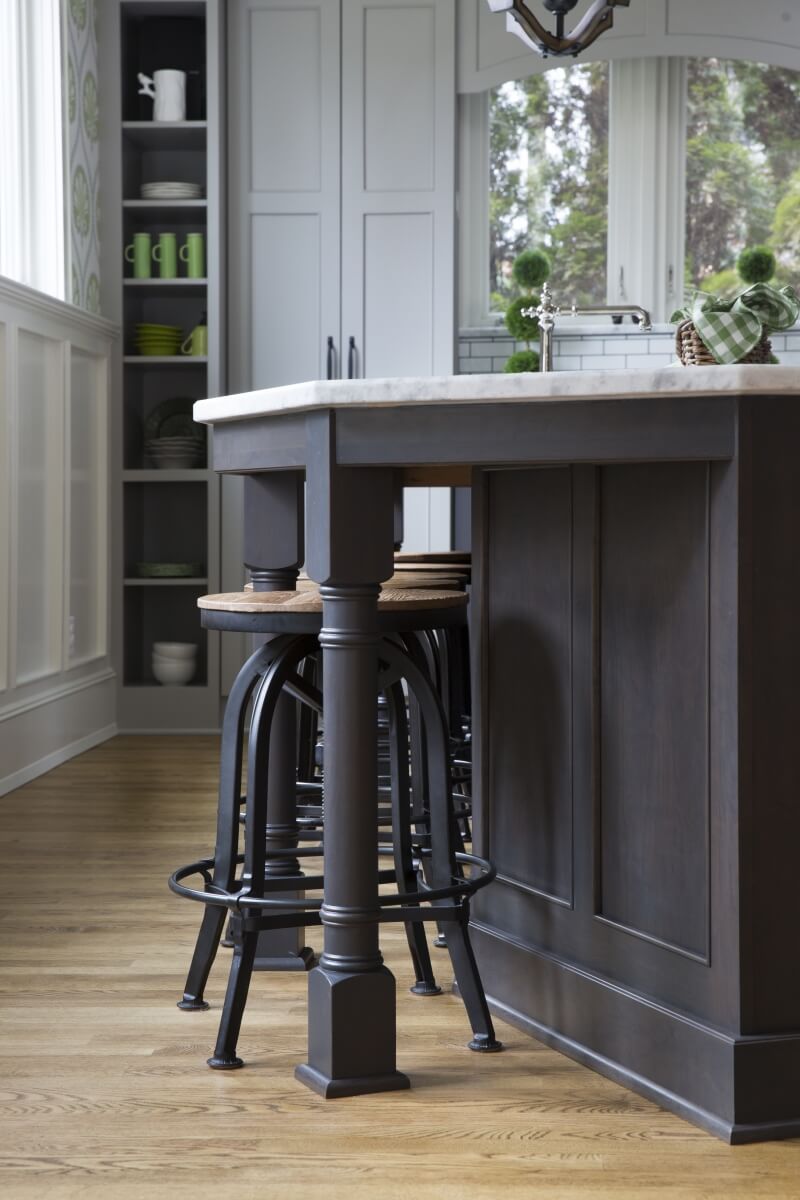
<point>742,1089</point>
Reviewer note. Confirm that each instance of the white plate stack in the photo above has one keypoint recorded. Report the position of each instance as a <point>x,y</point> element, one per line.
<point>171,190</point>
<point>174,663</point>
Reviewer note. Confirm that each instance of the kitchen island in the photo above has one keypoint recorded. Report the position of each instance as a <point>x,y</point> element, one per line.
<point>635,600</point>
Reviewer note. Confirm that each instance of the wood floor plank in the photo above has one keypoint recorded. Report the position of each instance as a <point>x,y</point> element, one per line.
<point>103,1085</point>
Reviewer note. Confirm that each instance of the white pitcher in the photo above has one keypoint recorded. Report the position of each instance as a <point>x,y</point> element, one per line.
<point>168,91</point>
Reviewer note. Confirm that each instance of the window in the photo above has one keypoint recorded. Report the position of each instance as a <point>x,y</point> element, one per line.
<point>548,179</point>
<point>32,222</point>
<point>641,178</point>
<point>743,169</point>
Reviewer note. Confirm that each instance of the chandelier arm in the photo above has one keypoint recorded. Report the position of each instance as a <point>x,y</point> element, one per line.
<point>522,22</point>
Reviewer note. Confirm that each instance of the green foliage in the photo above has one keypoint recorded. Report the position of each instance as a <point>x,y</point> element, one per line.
<point>525,329</point>
<point>756,265</point>
<point>523,360</point>
<point>743,168</point>
<point>531,269</point>
<point>725,284</point>
<point>548,178</point>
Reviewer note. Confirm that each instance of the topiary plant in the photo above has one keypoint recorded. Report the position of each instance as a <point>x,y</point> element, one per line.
<point>529,271</point>
<point>523,360</point>
<point>756,265</point>
<point>523,328</point>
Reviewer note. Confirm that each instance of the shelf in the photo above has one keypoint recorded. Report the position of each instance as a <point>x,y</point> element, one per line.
<point>165,581</point>
<point>166,211</point>
<point>165,360</point>
<point>172,475</point>
<point>165,135</point>
<point>165,287</point>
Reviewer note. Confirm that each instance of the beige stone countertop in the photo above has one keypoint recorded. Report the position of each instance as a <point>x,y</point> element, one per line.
<point>501,389</point>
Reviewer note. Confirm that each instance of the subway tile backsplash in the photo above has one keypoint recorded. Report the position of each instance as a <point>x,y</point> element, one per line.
<point>485,351</point>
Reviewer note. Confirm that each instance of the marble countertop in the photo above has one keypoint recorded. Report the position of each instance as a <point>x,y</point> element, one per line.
<point>505,389</point>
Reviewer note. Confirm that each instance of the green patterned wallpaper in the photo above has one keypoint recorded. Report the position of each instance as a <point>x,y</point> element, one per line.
<point>84,157</point>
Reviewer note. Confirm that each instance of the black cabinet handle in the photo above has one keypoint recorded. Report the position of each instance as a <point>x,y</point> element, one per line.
<point>331,358</point>
<point>351,359</point>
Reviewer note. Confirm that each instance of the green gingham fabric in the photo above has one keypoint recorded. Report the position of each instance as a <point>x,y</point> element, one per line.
<point>730,329</point>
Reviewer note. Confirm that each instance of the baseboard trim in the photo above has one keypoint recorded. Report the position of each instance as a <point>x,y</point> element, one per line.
<point>741,1088</point>
<point>33,770</point>
<point>613,1071</point>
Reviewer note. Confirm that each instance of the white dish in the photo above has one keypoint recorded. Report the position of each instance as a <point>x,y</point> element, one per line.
<point>173,673</point>
<point>175,650</point>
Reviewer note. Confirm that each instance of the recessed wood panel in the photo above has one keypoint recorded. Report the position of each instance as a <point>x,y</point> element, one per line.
<point>653,701</point>
<point>285,99</point>
<point>398,294</point>
<point>285,343</point>
<point>529,615</point>
<point>399,98</point>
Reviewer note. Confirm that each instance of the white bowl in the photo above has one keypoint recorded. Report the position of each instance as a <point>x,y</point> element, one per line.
<point>173,650</point>
<point>171,672</point>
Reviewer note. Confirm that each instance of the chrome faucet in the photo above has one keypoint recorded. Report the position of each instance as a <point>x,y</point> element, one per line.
<point>546,312</point>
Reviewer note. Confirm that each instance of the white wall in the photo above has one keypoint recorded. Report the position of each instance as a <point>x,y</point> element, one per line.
<point>56,684</point>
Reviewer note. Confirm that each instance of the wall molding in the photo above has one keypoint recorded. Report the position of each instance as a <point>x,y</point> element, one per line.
<point>20,296</point>
<point>68,688</point>
<point>41,767</point>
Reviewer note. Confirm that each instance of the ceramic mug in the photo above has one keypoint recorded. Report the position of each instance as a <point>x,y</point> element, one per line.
<point>193,253</point>
<point>167,90</point>
<point>138,253</point>
<point>197,341</point>
<point>165,253</point>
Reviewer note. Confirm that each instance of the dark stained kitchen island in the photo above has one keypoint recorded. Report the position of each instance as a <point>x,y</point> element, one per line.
<point>635,609</point>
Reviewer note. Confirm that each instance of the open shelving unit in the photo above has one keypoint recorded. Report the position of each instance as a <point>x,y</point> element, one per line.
<point>163,515</point>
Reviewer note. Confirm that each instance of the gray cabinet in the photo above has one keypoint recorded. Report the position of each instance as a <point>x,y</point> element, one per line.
<point>342,202</point>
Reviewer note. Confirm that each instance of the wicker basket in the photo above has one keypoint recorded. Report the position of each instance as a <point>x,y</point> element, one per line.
<point>693,352</point>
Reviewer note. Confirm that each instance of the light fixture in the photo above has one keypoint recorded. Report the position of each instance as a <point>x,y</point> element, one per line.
<point>521,21</point>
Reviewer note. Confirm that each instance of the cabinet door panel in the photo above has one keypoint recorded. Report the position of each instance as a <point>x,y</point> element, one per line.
<point>285,246</point>
<point>284,156</point>
<point>399,98</point>
<point>398,294</point>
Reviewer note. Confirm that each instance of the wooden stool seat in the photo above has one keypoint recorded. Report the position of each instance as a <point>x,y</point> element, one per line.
<point>308,600</point>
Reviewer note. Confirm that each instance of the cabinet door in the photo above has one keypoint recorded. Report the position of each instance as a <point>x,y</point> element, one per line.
<point>398,185</point>
<point>284,71</point>
<point>398,205</point>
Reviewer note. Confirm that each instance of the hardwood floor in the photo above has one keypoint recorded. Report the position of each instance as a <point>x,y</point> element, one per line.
<point>103,1083</point>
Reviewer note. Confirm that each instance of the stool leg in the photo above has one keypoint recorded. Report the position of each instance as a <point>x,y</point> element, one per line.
<point>425,983</point>
<point>227,844</point>
<point>443,865</point>
<point>289,650</point>
<point>225,1057</point>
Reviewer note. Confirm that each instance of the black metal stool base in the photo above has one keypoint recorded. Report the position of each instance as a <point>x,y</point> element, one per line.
<point>333,1089</point>
<point>190,1004</point>
<point>421,988</point>
<point>225,1064</point>
<point>483,1044</point>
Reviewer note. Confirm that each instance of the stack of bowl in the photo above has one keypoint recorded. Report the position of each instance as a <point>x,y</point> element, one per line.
<point>178,451</point>
<point>158,339</point>
<point>174,663</point>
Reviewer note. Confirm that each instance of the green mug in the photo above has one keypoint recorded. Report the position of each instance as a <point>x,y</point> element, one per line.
<point>193,253</point>
<point>197,341</point>
<point>138,253</point>
<point>165,254</point>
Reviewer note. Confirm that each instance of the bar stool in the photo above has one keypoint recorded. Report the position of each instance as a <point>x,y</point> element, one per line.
<point>423,834</point>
